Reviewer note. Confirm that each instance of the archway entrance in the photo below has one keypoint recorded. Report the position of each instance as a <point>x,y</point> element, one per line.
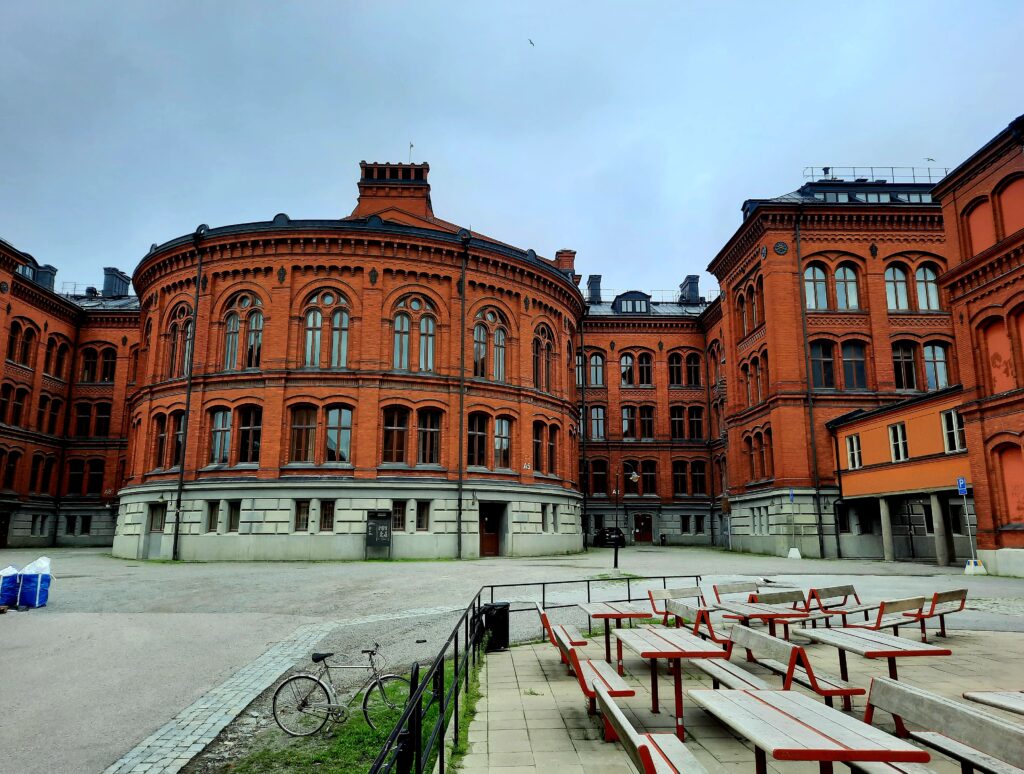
<point>642,528</point>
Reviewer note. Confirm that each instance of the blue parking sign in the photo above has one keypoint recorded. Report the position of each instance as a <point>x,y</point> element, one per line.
<point>961,486</point>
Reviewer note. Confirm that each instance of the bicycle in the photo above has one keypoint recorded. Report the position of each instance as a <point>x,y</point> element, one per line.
<point>306,701</point>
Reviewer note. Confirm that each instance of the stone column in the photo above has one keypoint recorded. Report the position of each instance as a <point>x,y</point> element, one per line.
<point>939,524</point>
<point>883,512</point>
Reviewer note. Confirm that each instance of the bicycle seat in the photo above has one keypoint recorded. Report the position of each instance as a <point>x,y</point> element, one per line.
<point>318,657</point>
<point>366,652</point>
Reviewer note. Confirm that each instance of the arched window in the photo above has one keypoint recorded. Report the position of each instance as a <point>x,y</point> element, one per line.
<point>599,477</point>
<point>679,487</point>
<point>645,370</point>
<point>339,434</point>
<point>752,319</point>
<point>60,362</point>
<point>476,436</point>
<point>35,472</point>
<point>854,368</point>
<point>815,287</point>
<point>44,405</point>
<point>755,367</point>
<point>693,378</point>
<point>28,342</point>
<point>596,370</point>
<point>823,375</point>
<point>101,421</point>
<point>94,477</point>
<point>677,422</point>
<point>428,426</point>
<point>179,349</point>
<point>675,370</point>
<point>314,328</point>
<point>220,436</point>
<point>108,365</point>
<point>627,366</point>
<point>76,477</point>
<point>748,445</point>
<point>904,365</point>
<point>53,421</point>
<point>846,287</point>
<point>83,419</point>
<point>896,288</point>
<point>936,370</point>
<point>14,341</point>
<point>178,438</point>
<point>553,450</point>
<point>580,369</point>
<point>503,443</point>
<point>761,464</point>
<point>250,434</point>
<point>396,434</point>
<point>543,354</point>
<point>745,371</point>
<point>231,326</point>
<point>427,332</point>
<point>629,423</point>
<point>11,469</point>
<point>51,351</point>
<point>741,313</point>
<point>927,287</point>
<point>303,433</point>
<point>90,363</point>
<point>159,441</point>
<point>400,350</point>
<point>649,477</point>
<point>538,446</point>
<point>254,340</point>
<point>499,355</point>
<point>480,351</point>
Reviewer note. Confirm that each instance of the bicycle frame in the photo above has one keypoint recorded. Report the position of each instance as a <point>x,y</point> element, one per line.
<point>325,669</point>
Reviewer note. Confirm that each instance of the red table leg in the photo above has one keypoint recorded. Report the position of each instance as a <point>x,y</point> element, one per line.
<point>842,666</point>
<point>618,644</point>
<point>607,641</point>
<point>654,686</point>
<point>760,764</point>
<point>771,626</point>
<point>825,767</point>
<point>901,730</point>
<point>677,674</point>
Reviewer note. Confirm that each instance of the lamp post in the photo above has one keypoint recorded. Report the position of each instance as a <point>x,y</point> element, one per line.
<point>634,477</point>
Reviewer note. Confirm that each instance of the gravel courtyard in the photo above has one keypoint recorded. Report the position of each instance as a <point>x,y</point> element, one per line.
<point>124,646</point>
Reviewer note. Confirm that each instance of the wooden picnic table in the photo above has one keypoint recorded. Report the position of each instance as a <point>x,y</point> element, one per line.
<point>617,611</point>
<point>791,726</point>
<point>674,645</point>
<point>770,614</point>
<point>1011,701</point>
<point>872,644</point>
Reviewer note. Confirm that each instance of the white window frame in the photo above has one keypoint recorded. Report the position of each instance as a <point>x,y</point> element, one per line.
<point>898,446</point>
<point>955,432</point>
<point>853,452</point>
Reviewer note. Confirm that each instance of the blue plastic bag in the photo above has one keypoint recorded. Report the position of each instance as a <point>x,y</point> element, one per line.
<point>33,590</point>
<point>9,586</point>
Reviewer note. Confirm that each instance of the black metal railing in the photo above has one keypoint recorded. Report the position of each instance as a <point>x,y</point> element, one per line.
<point>411,747</point>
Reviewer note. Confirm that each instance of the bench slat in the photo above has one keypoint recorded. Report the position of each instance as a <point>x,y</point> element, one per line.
<point>890,768</point>
<point>603,673</point>
<point>729,674</point>
<point>678,755</point>
<point>962,752</point>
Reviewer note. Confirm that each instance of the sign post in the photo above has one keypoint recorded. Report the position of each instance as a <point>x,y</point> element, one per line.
<point>973,566</point>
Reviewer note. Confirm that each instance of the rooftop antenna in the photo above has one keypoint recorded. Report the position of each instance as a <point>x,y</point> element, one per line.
<point>410,151</point>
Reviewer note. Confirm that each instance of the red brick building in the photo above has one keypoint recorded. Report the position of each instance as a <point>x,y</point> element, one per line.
<point>323,392</point>
<point>983,209</point>
<point>66,375</point>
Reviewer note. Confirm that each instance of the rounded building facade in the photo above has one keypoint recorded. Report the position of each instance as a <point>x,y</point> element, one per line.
<point>304,383</point>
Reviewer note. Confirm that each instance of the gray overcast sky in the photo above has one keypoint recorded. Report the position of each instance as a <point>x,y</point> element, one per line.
<point>630,132</point>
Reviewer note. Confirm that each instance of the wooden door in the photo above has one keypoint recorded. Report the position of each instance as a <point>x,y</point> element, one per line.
<point>642,531</point>
<point>490,527</point>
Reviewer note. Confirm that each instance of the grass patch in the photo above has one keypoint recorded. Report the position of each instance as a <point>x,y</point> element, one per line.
<point>351,746</point>
<point>616,576</point>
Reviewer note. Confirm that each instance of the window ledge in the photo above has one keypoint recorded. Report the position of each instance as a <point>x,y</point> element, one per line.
<point>247,466</point>
<point>432,466</point>
<point>338,465</point>
<point>299,465</point>
<point>393,466</point>
<point>477,469</point>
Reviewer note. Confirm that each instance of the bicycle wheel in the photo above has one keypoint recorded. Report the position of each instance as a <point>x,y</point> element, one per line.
<point>384,702</point>
<point>302,705</point>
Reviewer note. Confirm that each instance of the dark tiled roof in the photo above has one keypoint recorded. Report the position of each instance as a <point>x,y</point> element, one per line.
<point>657,309</point>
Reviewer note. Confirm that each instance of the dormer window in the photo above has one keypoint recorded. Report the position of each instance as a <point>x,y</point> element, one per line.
<point>634,305</point>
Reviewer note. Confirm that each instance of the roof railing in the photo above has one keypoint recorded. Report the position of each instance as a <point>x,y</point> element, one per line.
<point>875,174</point>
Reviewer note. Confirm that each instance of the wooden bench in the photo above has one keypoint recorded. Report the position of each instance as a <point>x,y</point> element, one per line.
<point>890,615</point>
<point>696,616</point>
<point>792,597</point>
<point>975,738</point>
<point>591,672</point>
<point>834,600</point>
<point>943,603</point>
<point>572,634</point>
<point>791,662</point>
<point>650,753</point>
<point>741,587</point>
<point>656,595</point>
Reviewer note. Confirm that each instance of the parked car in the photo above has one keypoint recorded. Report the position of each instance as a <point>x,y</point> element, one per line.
<point>609,536</point>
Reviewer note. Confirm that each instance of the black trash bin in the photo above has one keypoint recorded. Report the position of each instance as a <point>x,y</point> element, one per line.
<point>495,621</point>
<point>663,538</point>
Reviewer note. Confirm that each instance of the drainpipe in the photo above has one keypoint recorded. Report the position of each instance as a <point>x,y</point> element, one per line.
<point>707,381</point>
<point>464,237</point>
<point>810,390</point>
<point>584,423</point>
<point>839,482</point>
<point>197,237</point>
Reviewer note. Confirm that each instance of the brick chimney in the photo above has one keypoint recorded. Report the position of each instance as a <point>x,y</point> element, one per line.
<point>403,186</point>
<point>566,260</point>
